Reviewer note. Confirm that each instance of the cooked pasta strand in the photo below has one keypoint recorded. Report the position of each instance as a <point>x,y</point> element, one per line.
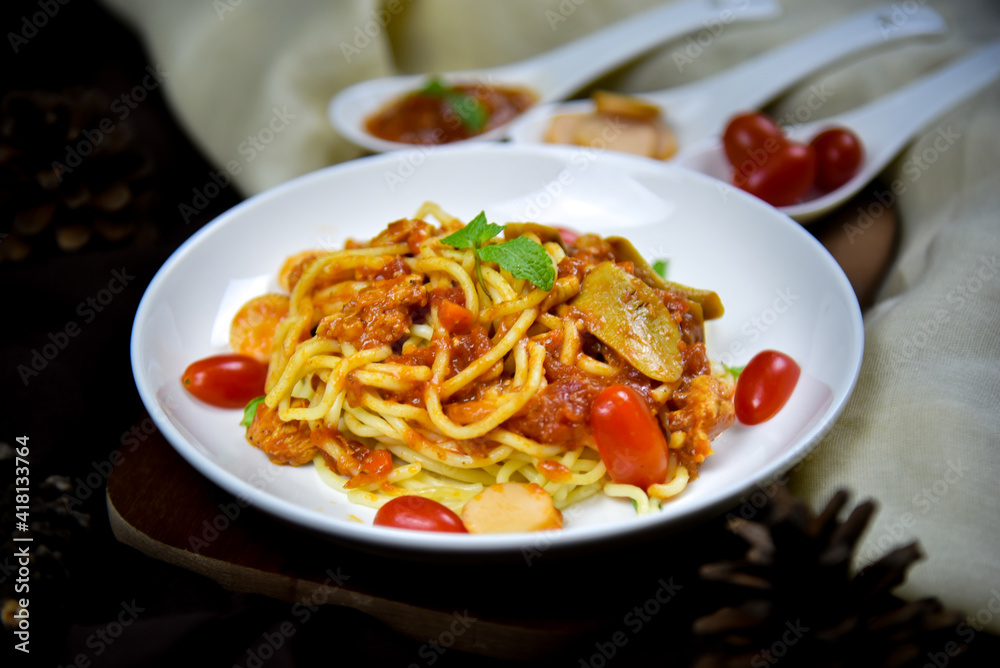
<point>404,394</point>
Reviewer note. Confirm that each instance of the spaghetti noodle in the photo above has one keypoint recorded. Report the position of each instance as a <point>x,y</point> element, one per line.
<point>405,366</point>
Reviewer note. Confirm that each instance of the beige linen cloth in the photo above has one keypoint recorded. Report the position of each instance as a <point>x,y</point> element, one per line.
<point>921,434</point>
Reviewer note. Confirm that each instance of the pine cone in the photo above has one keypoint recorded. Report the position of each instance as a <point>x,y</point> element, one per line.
<point>70,174</point>
<point>792,597</point>
<point>57,533</point>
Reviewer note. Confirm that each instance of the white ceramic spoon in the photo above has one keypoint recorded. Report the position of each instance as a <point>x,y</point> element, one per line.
<point>554,74</point>
<point>884,126</point>
<point>702,108</point>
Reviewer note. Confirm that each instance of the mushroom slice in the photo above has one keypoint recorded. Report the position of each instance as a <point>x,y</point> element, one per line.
<point>629,316</point>
<point>711,304</point>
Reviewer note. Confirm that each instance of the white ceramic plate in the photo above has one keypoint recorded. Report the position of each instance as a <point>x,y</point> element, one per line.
<point>780,288</point>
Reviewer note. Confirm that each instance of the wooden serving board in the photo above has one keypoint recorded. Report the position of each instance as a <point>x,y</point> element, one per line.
<point>158,504</point>
<point>161,506</point>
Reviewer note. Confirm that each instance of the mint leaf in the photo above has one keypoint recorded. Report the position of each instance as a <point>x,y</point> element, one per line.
<point>521,256</point>
<point>470,110</point>
<point>250,411</point>
<point>433,88</point>
<point>524,258</point>
<point>475,234</point>
<point>660,267</point>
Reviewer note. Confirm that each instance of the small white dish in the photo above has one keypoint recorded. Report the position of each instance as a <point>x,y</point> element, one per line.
<point>552,75</point>
<point>780,288</point>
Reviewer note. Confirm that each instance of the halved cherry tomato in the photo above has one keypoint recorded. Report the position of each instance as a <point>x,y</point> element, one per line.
<point>629,440</point>
<point>764,386</point>
<point>783,177</point>
<point>226,381</point>
<point>419,514</point>
<point>838,156</point>
<point>748,135</point>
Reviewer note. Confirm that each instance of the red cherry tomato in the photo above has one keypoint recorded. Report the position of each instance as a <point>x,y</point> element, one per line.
<point>630,441</point>
<point>749,137</point>
<point>419,514</point>
<point>569,236</point>
<point>764,386</point>
<point>227,381</point>
<point>839,154</point>
<point>783,177</point>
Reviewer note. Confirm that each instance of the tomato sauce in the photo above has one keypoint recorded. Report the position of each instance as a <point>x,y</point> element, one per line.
<point>378,315</point>
<point>436,117</point>
<point>554,471</point>
<point>375,467</point>
<point>466,348</point>
<point>560,413</point>
<point>412,232</point>
<point>341,454</point>
<point>282,442</point>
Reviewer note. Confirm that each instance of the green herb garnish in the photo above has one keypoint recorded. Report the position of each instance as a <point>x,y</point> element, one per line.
<point>660,267</point>
<point>475,234</point>
<point>469,109</point>
<point>434,88</point>
<point>521,256</point>
<point>735,371</point>
<point>250,411</point>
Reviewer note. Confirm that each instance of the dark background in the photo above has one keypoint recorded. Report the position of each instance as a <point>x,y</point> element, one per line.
<point>77,410</point>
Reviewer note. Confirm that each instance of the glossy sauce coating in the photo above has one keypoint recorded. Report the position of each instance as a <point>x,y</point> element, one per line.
<point>422,118</point>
